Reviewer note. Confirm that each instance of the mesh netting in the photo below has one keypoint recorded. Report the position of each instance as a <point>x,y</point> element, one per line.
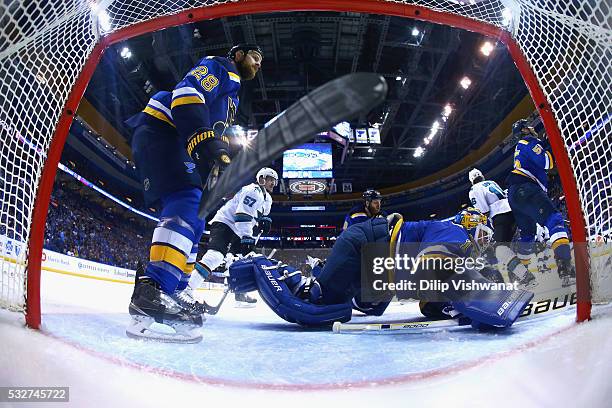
<point>45,44</point>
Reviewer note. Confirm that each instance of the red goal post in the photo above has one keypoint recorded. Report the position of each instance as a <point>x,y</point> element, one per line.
<point>50,49</point>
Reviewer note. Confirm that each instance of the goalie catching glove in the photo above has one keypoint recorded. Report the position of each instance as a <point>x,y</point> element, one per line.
<point>210,153</point>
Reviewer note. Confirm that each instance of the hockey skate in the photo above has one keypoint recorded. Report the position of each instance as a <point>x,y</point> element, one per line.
<point>186,300</point>
<point>157,316</point>
<point>526,282</point>
<point>243,300</point>
<point>567,273</point>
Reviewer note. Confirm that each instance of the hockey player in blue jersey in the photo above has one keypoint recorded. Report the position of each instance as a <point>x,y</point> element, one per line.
<point>179,148</point>
<point>371,207</point>
<point>336,289</point>
<point>528,198</point>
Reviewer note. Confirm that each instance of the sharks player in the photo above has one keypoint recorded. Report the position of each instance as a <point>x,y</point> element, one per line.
<point>371,207</point>
<point>488,197</point>
<point>528,198</point>
<point>179,145</point>
<point>328,296</point>
<point>235,225</point>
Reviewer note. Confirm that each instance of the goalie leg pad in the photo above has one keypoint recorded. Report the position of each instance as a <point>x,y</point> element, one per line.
<point>269,276</point>
<point>486,308</point>
<point>242,276</point>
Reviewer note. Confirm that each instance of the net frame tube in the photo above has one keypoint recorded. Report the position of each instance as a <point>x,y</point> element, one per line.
<point>568,182</point>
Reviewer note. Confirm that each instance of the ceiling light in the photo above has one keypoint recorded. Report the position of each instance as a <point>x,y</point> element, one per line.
<point>465,82</point>
<point>487,48</point>
<point>370,150</point>
<point>415,32</point>
<point>448,109</point>
<point>418,152</point>
<point>126,53</point>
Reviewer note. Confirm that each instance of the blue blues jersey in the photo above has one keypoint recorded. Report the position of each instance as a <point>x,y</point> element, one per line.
<point>207,97</point>
<point>447,234</point>
<point>358,214</point>
<point>531,161</point>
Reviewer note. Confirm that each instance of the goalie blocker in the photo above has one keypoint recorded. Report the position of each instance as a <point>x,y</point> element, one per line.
<point>282,287</point>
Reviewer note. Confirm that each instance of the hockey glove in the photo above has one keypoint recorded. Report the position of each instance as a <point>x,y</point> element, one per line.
<point>210,153</point>
<point>247,244</point>
<point>264,224</point>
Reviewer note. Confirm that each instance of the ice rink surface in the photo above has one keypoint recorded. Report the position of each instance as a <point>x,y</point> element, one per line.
<point>251,356</point>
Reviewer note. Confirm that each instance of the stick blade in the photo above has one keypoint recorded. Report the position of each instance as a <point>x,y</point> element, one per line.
<point>341,99</point>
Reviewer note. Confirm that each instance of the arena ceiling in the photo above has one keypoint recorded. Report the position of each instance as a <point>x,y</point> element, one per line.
<point>422,62</point>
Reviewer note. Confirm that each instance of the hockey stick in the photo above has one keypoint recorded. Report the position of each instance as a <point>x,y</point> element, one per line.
<point>534,310</point>
<point>341,99</point>
<point>212,310</point>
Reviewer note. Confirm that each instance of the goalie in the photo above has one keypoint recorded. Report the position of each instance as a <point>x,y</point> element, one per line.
<point>336,288</point>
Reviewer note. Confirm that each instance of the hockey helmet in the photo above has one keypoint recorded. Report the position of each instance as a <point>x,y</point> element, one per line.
<point>475,174</point>
<point>371,194</point>
<point>244,47</point>
<point>267,172</point>
<point>519,125</point>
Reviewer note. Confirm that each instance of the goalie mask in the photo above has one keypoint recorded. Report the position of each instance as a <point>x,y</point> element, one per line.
<point>475,223</point>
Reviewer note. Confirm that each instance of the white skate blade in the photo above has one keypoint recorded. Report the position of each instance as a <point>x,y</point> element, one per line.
<point>244,305</point>
<point>145,328</point>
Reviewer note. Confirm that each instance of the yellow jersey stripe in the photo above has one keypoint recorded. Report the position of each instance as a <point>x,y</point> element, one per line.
<point>517,171</point>
<point>170,255</point>
<point>159,115</point>
<point>186,100</point>
<point>234,77</point>
<point>550,161</point>
<point>189,268</point>
<point>559,242</point>
<point>359,214</point>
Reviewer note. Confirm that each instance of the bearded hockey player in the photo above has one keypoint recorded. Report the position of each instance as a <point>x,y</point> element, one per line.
<point>178,142</point>
<point>371,207</point>
<point>528,198</point>
<point>489,198</point>
<point>328,296</point>
<point>234,227</point>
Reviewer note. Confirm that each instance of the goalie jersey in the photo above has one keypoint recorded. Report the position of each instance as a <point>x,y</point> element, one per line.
<point>531,161</point>
<point>207,97</point>
<point>245,207</point>
<point>488,197</point>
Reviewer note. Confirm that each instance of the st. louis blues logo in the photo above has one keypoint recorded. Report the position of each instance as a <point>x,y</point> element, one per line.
<point>190,167</point>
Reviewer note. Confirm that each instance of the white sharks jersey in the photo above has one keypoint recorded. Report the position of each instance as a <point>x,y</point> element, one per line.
<point>488,197</point>
<point>241,212</point>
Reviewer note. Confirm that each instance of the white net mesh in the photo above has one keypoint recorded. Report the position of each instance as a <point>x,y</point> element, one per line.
<point>45,44</point>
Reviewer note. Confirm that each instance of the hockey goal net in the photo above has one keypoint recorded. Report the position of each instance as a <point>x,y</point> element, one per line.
<point>49,50</point>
